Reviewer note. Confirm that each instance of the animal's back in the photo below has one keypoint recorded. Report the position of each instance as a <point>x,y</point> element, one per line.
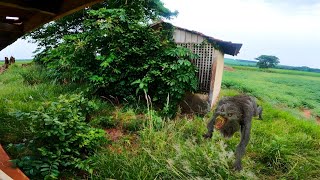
<point>247,103</point>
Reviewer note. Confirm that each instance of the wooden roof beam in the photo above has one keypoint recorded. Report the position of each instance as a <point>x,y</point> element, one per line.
<point>35,21</point>
<point>35,13</point>
<point>15,12</point>
<point>5,40</point>
<point>5,27</point>
<point>8,38</point>
<point>18,4</point>
<point>69,7</point>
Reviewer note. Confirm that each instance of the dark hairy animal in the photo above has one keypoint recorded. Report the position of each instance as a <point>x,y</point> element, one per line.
<point>231,115</point>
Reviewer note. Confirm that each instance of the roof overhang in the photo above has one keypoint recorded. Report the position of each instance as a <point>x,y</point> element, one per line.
<point>227,47</point>
<point>18,17</point>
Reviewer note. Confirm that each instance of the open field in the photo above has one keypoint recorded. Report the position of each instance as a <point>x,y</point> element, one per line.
<point>251,63</point>
<point>18,61</point>
<point>294,90</point>
<point>240,62</point>
<point>285,145</point>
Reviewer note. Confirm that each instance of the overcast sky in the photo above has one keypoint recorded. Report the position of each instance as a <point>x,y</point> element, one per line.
<point>288,29</point>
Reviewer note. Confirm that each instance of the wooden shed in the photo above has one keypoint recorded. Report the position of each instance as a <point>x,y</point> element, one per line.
<point>210,62</point>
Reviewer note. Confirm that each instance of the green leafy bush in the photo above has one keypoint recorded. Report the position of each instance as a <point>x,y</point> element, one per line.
<point>122,56</point>
<point>62,138</point>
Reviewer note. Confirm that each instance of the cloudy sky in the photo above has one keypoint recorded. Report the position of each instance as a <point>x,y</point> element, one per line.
<point>288,29</point>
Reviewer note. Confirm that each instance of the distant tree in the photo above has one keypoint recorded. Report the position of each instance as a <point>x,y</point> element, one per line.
<point>266,61</point>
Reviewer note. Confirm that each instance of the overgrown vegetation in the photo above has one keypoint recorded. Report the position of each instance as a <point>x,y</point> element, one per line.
<point>46,138</point>
<point>61,139</point>
<point>283,145</point>
<point>17,95</point>
<point>117,53</point>
<point>177,151</point>
<point>110,49</point>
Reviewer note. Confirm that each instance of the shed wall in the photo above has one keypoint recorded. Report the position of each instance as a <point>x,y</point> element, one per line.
<point>218,66</point>
<point>210,63</point>
<point>207,56</point>
<point>182,36</point>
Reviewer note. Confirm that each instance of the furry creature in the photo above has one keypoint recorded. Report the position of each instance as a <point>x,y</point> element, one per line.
<point>231,115</point>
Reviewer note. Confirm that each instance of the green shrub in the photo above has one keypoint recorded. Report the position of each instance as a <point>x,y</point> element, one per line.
<point>12,130</point>
<point>62,139</point>
<point>125,58</point>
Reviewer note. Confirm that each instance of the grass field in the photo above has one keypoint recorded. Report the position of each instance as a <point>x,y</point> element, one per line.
<point>234,62</point>
<point>285,145</point>
<point>23,94</point>
<point>18,61</point>
<point>295,90</point>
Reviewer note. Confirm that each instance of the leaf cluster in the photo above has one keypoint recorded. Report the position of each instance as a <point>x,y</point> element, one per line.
<point>51,34</point>
<point>62,139</point>
<point>119,54</point>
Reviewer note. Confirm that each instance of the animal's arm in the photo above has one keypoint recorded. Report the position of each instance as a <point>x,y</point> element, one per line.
<point>210,126</point>
<point>259,112</point>
<point>245,137</point>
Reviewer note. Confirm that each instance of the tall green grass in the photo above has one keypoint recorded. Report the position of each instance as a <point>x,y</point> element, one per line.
<point>24,89</point>
<point>282,146</point>
<point>176,151</point>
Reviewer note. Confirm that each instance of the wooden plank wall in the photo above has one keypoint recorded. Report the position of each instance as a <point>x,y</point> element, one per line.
<point>182,36</point>
<point>210,62</point>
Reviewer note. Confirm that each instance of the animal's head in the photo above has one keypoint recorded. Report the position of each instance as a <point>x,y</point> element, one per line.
<point>227,113</point>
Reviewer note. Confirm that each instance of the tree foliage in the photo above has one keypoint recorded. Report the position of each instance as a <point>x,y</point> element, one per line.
<point>51,34</point>
<point>119,54</point>
<point>266,61</point>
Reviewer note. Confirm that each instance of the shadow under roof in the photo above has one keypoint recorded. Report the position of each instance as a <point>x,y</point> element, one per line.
<point>18,17</point>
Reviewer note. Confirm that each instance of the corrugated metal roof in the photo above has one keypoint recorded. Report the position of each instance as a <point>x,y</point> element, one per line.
<point>226,46</point>
<point>18,17</point>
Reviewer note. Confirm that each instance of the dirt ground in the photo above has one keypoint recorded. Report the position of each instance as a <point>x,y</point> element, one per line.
<point>228,68</point>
